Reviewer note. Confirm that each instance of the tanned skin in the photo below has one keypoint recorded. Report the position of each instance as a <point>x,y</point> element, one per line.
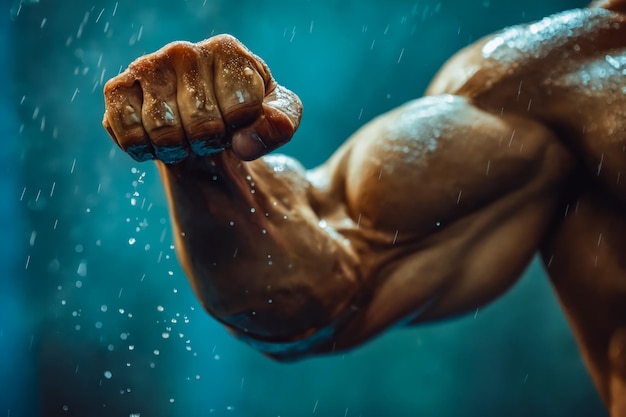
<point>428,211</point>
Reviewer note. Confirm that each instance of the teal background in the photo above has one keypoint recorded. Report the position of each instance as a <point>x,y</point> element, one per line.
<point>96,317</point>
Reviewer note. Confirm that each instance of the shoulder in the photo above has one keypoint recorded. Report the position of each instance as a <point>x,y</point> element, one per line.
<point>529,50</point>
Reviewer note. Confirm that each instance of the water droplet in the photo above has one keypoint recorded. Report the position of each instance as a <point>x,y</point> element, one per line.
<point>169,114</point>
<point>82,269</point>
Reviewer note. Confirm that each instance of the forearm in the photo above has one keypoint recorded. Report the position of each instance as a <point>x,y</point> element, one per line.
<point>253,248</point>
<point>388,229</point>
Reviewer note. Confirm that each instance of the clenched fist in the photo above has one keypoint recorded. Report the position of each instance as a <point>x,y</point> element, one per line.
<point>198,99</point>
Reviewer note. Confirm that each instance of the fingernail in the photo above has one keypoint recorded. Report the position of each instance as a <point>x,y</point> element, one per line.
<point>171,154</point>
<point>140,153</point>
<point>206,147</point>
<point>248,145</point>
<point>255,136</point>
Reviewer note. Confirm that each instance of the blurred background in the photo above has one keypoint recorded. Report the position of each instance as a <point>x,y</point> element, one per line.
<point>96,316</point>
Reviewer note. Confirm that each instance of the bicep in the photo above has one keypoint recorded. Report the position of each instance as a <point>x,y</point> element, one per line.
<point>425,164</point>
<point>458,199</point>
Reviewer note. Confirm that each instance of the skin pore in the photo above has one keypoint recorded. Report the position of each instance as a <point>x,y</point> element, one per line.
<point>426,212</point>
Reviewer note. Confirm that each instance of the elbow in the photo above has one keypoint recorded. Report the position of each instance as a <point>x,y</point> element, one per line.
<point>291,350</point>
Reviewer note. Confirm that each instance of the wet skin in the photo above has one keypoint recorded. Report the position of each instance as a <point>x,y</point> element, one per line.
<point>428,211</point>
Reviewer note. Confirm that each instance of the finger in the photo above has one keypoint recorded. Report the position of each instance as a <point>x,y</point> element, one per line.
<point>199,112</point>
<point>159,111</point>
<point>281,118</point>
<point>263,136</point>
<point>239,88</point>
<point>122,117</point>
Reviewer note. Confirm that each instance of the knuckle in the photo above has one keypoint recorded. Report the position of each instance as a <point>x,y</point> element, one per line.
<point>113,86</point>
<point>224,46</point>
<point>177,48</point>
<point>109,87</point>
<point>221,41</point>
<point>141,65</point>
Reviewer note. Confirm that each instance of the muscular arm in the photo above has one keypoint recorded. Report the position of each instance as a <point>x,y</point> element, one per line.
<point>427,211</point>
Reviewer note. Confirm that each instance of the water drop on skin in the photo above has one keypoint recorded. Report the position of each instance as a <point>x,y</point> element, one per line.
<point>169,114</point>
